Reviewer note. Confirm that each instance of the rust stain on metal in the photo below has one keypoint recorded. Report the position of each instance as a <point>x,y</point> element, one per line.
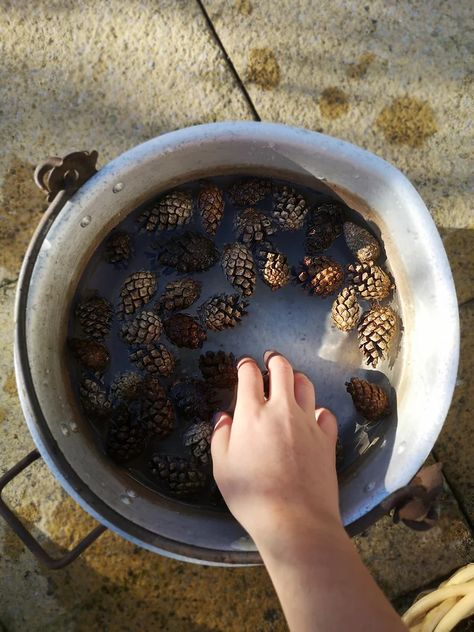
<point>58,174</point>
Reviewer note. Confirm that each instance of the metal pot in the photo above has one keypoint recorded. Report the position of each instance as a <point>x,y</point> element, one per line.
<point>423,374</point>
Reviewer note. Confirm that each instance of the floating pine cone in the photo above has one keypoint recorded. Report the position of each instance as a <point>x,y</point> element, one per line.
<point>156,412</point>
<point>223,311</point>
<point>175,209</point>
<point>191,252</point>
<point>94,398</point>
<point>370,400</point>
<point>273,266</point>
<point>218,369</point>
<point>179,295</point>
<point>198,439</point>
<point>137,290</point>
<point>211,206</point>
<point>249,191</point>
<point>185,331</point>
<point>154,359</point>
<point>320,275</point>
<point>127,387</point>
<point>126,436</point>
<point>370,281</point>
<point>145,329</point>
<point>179,475</point>
<point>239,268</point>
<point>95,316</point>
<point>91,354</point>
<point>376,328</point>
<point>252,226</point>
<point>361,243</point>
<point>290,208</point>
<point>118,248</point>
<point>346,310</point>
<point>193,398</point>
<point>324,226</point>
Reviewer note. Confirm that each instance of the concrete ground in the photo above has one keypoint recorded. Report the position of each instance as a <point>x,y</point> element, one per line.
<point>393,77</point>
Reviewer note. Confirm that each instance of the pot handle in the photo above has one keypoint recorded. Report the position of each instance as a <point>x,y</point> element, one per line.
<point>26,537</point>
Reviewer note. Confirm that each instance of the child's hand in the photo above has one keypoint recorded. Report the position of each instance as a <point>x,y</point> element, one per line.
<point>274,461</point>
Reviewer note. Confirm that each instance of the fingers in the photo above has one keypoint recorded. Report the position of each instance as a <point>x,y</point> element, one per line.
<point>304,392</point>
<point>221,435</point>
<point>327,422</point>
<point>282,381</point>
<point>250,384</point>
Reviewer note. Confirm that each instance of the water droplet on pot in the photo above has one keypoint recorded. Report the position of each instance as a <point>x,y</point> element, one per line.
<point>369,487</point>
<point>132,493</point>
<point>125,499</point>
<point>74,427</point>
<point>118,187</point>
<point>65,430</point>
<point>85,221</point>
<point>402,447</point>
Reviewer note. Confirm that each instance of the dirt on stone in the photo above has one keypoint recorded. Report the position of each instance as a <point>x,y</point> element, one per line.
<point>359,69</point>
<point>263,68</point>
<point>407,121</point>
<point>333,103</point>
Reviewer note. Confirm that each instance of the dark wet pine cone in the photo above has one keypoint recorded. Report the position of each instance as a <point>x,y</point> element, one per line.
<point>289,208</point>
<point>198,439</point>
<point>239,268</point>
<point>180,476</point>
<point>191,252</point>
<point>94,398</point>
<point>173,210</point>
<point>137,290</point>
<point>127,387</point>
<point>370,400</point>
<point>126,436</point>
<point>193,398</point>
<point>145,329</point>
<point>252,226</point>
<point>118,248</point>
<point>179,295</point>
<point>90,354</point>
<point>273,266</point>
<point>361,243</point>
<point>346,310</point>
<point>95,316</point>
<point>156,413</point>
<point>370,281</point>
<point>218,369</point>
<point>185,331</point>
<point>324,226</point>
<point>211,206</point>
<point>320,275</point>
<point>223,311</point>
<point>249,191</point>
<point>154,359</point>
<point>377,329</point>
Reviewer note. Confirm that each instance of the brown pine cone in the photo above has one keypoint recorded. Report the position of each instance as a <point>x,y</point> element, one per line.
<point>370,281</point>
<point>190,252</point>
<point>223,311</point>
<point>320,275</point>
<point>145,329</point>
<point>239,267</point>
<point>324,226</point>
<point>127,386</point>
<point>290,208</point>
<point>94,398</point>
<point>193,398</point>
<point>95,317</point>
<point>154,359</point>
<point>370,400</point>
<point>211,206</point>
<point>118,248</point>
<point>198,439</point>
<point>126,436</point>
<point>137,290</point>
<point>273,266</point>
<point>156,413</point>
<point>185,331</point>
<point>179,475</point>
<point>361,243</point>
<point>346,310</point>
<point>218,369</point>
<point>249,191</point>
<point>252,226</point>
<point>173,210</point>
<point>377,328</point>
<point>179,295</point>
<point>90,354</point>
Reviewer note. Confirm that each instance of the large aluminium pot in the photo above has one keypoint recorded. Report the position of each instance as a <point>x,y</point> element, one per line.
<point>423,374</point>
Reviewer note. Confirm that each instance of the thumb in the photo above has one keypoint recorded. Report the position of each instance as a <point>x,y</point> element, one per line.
<point>327,422</point>
<point>221,435</point>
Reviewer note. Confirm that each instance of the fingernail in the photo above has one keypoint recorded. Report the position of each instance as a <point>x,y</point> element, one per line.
<point>269,354</point>
<point>242,360</point>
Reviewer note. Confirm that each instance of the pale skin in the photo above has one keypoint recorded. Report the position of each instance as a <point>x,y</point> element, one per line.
<point>274,463</point>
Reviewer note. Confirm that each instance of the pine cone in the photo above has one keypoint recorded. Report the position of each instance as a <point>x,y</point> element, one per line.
<point>218,369</point>
<point>273,266</point>
<point>91,354</point>
<point>239,268</point>
<point>320,275</point>
<point>370,400</point>
<point>94,398</point>
<point>185,331</point>
<point>127,386</point>
<point>370,281</point>
<point>179,295</point>
<point>252,226</point>
<point>154,359</point>
<point>290,208</point>
<point>361,243</point>
<point>211,206</point>
<point>174,210</point>
<point>126,436</point>
<point>223,311</point>
<point>179,475</point>
<point>377,328</point>
<point>145,329</point>
<point>324,226</point>
<point>249,191</point>
<point>346,310</point>
<point>137,290</point>
<point>198,439</point>
<point>156,412</point>
<point>118,248</point>
<point>193,398</point>
<point>95,316</point>
<point>191,252</point>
